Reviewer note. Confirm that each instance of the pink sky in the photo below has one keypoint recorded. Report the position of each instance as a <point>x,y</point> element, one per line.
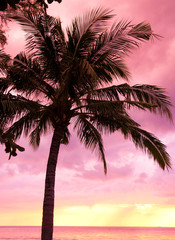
<point>135,191</point>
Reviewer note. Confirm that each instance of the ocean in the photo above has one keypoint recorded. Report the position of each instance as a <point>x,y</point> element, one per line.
<point>90,233</point>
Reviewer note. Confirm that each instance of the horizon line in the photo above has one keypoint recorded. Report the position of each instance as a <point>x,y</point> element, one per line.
<point>13,226</point>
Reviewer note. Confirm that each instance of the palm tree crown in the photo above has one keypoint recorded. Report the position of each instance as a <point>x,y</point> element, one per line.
<point>64,76</point>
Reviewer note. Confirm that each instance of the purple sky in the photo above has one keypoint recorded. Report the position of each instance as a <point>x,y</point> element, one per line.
<point>135,191</point>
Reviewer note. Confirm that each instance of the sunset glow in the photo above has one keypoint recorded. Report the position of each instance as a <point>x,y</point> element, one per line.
<point>135,192</point>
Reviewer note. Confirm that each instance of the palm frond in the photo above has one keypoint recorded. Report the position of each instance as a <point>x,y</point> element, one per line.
<point>149,95</point>
<point>23,125</point>
<point>81,77</point>
<point>19,112</point>
<point>130,129</point>
<point>106,108</point>
<point>66,137</point>
<point>12,106</point>
<point>3,38</point>
<point>44,39</point>
<point>141,31</point>
<point>31,24</point>
<point>4,60</point>
<point>84,30</point>
<point>109,122</point>
<point>121,38</point>
<point>27,76</point>
<point>109,116</point>
<point>4,85</point>
<point>150,144</point>
<point>112,67</point>
<point>111,47</point>
<point>90,136</point>
<point>100,106</point>
<point>41,128</point>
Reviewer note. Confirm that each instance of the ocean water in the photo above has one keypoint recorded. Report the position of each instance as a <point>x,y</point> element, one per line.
<point>90,233</point>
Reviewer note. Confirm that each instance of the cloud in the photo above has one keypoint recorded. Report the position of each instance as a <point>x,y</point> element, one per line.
<point>113,173</point>
<point>141,178</point>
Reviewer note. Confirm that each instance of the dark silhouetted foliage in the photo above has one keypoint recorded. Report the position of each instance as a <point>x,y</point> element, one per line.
<point>12,3</point>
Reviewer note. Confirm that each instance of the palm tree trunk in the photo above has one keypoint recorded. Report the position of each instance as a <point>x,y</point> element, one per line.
<point>48,205</point>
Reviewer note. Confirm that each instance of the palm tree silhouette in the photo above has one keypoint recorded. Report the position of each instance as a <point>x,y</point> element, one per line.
<point>64,76</point>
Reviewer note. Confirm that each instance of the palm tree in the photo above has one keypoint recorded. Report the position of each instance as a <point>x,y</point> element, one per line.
<point>65,76</point>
